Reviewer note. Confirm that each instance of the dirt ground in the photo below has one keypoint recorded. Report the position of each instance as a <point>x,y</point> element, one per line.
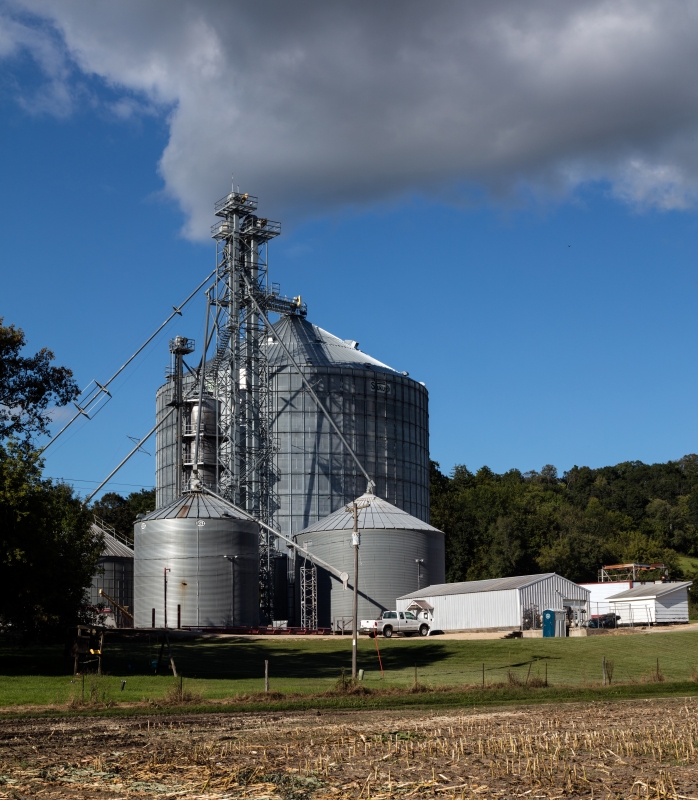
<point>626,749</point>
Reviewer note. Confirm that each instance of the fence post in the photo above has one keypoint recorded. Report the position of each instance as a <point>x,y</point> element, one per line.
<point>603,667</point>
<point>266,676</point>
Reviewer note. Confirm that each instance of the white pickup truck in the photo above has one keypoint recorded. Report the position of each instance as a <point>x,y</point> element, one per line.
<point>391,623</point>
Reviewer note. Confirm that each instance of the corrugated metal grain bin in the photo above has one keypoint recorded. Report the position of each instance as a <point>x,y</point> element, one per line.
<point>397,551</point>
<point>382,412</point>
<point>212,557</point>
<point>496,604</point>
<point>115,577</point>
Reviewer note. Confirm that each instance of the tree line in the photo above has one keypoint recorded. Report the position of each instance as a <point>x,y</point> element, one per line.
<point>515,523</point>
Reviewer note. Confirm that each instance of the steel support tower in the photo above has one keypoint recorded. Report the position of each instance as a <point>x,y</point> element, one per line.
<point>180,346</point>
<point>308,595</point>
<point>238,373</point>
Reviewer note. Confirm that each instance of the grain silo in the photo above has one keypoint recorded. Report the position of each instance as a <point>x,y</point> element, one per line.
<point>112,585</point>
<point>382,413</point>
<point>196,565</point>
<point>398,553</point>
<point>280,456</point>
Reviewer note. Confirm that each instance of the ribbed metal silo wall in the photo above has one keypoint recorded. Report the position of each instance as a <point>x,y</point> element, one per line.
<point>387,569</point>
<point>210,589</point>
<point>115,577</point>
<point>165,452</point>
<point>385,418</point>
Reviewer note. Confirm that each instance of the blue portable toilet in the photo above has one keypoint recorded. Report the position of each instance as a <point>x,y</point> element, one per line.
<point>548,623</point>
<point>554,623</point>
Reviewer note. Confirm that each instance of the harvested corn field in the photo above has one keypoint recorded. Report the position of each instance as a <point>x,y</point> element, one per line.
<point>630,749</point>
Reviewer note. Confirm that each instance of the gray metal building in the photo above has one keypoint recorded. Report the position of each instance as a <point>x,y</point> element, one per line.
<point>115,577</point>
<point>196,560</point>
<point>494,604</point>
<point>398,553</point>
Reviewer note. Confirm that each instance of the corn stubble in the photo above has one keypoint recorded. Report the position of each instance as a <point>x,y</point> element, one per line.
<point>632,749</point>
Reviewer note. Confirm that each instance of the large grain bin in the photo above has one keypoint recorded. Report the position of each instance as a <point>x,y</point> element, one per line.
<point>398,553</point>
<point>197,560</point>
<point>383,414</point>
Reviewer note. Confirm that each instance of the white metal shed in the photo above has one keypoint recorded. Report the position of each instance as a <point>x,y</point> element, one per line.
<point>494,604</point>
<point>652,603</point>
<point>600,592</point>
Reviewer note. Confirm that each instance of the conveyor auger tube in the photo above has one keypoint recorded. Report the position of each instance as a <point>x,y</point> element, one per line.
<point>343,576</point>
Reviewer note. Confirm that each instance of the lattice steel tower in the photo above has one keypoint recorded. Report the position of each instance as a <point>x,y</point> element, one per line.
<point>238,373</point>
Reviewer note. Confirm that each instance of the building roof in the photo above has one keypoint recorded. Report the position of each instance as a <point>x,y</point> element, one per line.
<point>471,587</point>
<point>194,505</point>
<point>310,345</point>
<point>113,548</point>
<point>379,515</point>
<point>421,604</point>
<point>650,590</point>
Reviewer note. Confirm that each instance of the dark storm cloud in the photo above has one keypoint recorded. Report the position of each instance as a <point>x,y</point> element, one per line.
<point>319,106</point>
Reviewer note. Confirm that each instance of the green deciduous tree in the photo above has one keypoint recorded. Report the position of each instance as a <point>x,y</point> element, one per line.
<point>28,385</point>
<point>120,512</point>
<point>47,552</point>
<point>514,523</point>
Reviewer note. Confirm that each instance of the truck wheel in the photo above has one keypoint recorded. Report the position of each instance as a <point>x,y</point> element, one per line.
<point>423,630</point>
<point>371,635</point>
<point>387,632</point>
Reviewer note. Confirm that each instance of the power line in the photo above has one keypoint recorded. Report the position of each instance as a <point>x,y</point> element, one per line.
<point>82,480</point>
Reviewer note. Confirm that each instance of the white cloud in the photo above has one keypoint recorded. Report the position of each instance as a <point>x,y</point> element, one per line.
<point>319,106</point>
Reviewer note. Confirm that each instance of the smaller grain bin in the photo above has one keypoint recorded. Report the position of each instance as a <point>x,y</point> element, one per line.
<point>398,554</point>
<point>196,565</point>
<point>114,577</point>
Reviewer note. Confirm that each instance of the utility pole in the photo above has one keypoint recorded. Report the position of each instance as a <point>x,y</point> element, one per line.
<point>354,509</point>
<point>165,571</point>
<point>419,562</point>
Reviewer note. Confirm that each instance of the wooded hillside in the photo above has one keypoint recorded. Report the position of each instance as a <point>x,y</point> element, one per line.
<point>522,523</point>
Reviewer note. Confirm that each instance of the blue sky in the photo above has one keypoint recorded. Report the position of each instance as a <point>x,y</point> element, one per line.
<point>553,321</point>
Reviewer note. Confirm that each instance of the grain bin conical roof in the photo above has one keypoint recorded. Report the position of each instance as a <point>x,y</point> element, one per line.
<point>195,505</point>
<point>379,515</point>
<point>310,345</point>
<point>112,548</point>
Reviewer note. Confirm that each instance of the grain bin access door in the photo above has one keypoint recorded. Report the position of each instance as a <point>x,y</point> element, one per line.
<point>554,623</point>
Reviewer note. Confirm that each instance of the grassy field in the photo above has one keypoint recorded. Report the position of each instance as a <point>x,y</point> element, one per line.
<point>219,668</point>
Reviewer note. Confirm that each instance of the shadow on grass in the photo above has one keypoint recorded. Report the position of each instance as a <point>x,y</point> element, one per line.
<point>223,658</point>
